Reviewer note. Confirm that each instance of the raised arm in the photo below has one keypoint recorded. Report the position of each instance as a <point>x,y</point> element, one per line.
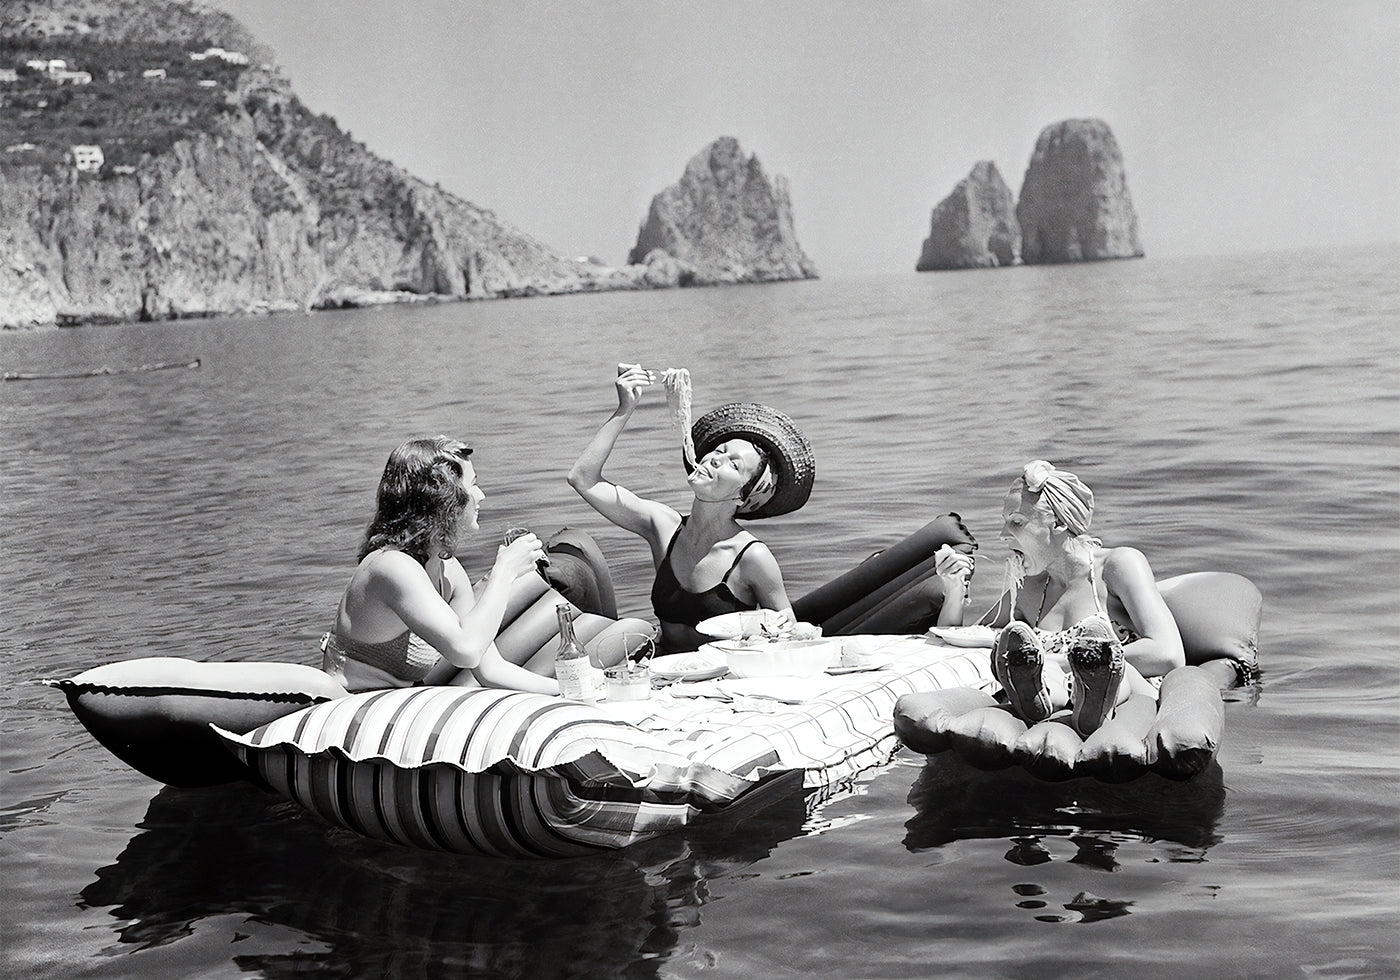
<point>618,504</point>
<point>1128,577</point>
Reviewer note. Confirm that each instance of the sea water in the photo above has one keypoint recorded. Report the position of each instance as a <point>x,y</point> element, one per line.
<point>1236,413</point>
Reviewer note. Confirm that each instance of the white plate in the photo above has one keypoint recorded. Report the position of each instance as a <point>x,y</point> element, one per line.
<point>838,671</point>
<point>965,636</point>
<point>737,625</point>
<point>702,665</point>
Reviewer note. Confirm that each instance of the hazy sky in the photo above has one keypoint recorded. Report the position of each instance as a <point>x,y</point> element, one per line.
<point>1243,125</point>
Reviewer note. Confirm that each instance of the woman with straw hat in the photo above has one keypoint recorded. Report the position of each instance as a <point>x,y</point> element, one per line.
<point>751,462</point>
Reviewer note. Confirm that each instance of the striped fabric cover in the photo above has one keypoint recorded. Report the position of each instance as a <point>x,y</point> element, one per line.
<point>505,773</point>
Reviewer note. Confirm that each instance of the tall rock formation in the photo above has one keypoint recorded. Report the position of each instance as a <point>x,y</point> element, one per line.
<point>723,222</point>
<point>219,191</point>
<point>1074,204</point>
<point>975,226</point>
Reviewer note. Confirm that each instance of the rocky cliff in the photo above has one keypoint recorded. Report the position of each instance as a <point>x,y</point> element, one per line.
<point>975,226</point>
<point>723,222</point>
<point>220,192</point>
<point>1074,204</point>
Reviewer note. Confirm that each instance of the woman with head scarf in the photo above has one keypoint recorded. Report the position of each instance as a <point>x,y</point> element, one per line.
<point>1081,624</point>
<point>751,462</point>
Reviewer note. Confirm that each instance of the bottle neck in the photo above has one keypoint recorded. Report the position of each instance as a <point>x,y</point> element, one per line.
<point>567,640</point>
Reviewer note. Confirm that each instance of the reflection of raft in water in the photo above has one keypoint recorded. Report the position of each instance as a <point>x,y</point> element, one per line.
<point>1218,614</point>
<point>508,773</point>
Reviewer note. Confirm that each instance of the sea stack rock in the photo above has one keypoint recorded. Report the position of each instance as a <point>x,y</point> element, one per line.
<point>724,222</point>
<point>1074,204</point>
<point>975,226</point>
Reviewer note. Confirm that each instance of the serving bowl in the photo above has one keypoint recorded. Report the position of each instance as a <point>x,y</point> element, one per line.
<point>795,658</point>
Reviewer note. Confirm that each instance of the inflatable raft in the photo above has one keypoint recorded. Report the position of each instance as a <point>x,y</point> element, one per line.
<point>1218,614</point>
<point>512,774</point>
<point>509,773</point>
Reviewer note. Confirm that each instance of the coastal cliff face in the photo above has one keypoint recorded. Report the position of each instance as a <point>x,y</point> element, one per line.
<point>1074,204</point>
<point>975,226</point>
<point>723,222</point>
<point>220,192</point>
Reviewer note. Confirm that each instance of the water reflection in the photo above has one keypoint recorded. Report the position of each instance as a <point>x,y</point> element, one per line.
<point>355,907</point>
<point>954,801</point>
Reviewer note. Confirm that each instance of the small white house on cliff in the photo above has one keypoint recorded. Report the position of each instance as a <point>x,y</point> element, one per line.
<point>86,157</point>
<point>229,57</point>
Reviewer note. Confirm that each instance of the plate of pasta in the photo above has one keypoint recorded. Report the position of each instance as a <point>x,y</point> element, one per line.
<point>699,665</point>
<point>972,637</point>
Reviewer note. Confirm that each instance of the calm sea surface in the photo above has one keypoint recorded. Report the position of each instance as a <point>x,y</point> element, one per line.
<point>1238,413</point>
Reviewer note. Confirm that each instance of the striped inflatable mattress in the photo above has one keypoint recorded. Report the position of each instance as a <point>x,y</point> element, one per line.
<point>512,774</point>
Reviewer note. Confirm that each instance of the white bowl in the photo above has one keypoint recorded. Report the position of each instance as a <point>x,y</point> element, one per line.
<point>783,658</point>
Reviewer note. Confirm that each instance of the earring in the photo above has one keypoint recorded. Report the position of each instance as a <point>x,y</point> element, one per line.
<point>444,554</point>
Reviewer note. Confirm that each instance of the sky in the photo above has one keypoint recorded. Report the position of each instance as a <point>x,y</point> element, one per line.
<point>1244,125</point>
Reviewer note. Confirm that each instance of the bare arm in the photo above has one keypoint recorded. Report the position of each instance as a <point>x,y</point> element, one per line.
<point>955,572</point>
<point>1128,577</point>
<point>618,504</point>
<point>463,637</point>
<point>760,580</point>
<point>493,670</point>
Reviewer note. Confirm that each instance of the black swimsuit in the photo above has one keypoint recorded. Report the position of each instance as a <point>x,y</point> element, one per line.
<point>672,603</point>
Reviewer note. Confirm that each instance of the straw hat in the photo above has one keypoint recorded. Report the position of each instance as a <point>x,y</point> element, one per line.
<point>779,437</point>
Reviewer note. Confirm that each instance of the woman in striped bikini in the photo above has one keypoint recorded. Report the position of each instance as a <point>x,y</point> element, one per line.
<point>409,611</point>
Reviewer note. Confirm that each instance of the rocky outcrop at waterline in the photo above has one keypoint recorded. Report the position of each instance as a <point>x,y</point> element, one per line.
<point>1074,204</point>
<point>1074,207</point>
<point>723,222</point>
<point>156,164</point>
<point>975,226</point>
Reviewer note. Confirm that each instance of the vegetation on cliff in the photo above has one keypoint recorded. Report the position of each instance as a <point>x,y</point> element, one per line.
<point>155,163</point>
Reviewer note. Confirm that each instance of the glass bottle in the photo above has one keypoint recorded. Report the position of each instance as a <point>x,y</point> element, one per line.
<point>571,665</point>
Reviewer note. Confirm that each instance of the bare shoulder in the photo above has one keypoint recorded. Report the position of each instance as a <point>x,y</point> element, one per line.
<point>753,552</point>
<point>457,579</point>
<point>1125,561</point>
<point>1127,575</point>
<point>390,567</point>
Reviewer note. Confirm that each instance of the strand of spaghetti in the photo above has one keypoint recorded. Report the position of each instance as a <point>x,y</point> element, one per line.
<point>676,381</point>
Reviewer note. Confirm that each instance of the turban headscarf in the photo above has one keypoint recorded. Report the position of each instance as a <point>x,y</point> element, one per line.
<point>1069,499</point>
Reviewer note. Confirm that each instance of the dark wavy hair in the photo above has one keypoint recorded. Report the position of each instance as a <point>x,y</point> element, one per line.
<point>420,493</point>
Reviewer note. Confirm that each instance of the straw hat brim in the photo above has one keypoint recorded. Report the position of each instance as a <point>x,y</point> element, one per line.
<point>779,437</point>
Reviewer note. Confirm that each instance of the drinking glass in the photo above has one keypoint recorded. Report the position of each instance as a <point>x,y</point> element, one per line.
<point>513,532</point>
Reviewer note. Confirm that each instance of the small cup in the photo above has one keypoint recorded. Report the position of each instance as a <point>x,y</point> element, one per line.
<point>628,681</point>
<point>857,651</point>
<point>511,533</point>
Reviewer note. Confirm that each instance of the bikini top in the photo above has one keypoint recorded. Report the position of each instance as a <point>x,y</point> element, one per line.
<point>1060,641</point>
<point>400,657</point>
<point>673,603</point>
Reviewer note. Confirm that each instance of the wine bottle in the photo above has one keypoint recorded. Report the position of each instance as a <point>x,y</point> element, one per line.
<point>571,666</point>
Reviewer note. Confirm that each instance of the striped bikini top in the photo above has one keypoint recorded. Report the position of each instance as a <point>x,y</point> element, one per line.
<point>400,658</point>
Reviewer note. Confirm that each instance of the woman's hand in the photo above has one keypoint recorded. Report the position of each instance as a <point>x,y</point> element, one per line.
<point>631,379</point>
<point>954,569</point>
<point>517,558</point>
